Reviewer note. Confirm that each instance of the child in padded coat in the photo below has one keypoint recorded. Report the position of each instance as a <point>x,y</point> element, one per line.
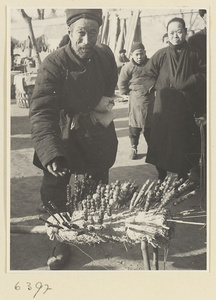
<point>130,83</point>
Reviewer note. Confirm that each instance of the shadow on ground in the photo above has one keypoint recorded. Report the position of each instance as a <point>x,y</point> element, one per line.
<point>20,143</point>
<point>20,125</point>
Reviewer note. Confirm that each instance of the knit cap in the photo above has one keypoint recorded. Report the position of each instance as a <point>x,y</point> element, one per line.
<point>72,15</point>
<point>137,46</point>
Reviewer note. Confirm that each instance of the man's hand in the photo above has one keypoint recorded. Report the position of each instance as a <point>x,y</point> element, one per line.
<point>58,167</point>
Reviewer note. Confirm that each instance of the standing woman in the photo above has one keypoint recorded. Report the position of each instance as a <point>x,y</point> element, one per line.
<point>177,74</point>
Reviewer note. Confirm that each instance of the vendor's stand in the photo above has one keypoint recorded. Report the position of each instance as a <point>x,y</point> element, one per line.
<point>24,85</point>
<point>119,213</point>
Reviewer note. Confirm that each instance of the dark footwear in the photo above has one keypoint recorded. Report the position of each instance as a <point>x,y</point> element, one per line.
<point>133,154</point>
<point>59,256</point>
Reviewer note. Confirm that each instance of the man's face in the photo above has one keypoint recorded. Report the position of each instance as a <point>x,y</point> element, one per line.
<point>139,56</point>
<point>83,35</point>
<point>176,33</point>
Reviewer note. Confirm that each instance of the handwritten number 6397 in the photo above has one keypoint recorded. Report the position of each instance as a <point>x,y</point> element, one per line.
<point>39,286</point>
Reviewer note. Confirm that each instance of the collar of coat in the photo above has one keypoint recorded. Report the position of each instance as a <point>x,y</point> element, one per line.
<point>142,64</point>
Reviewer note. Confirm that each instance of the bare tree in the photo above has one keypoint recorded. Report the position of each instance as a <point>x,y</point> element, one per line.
<point>31,33</point>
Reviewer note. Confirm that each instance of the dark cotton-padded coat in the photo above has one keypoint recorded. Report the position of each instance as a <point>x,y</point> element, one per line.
<point>140,104</point>
<point>64,88</point>
<point>173,127</point>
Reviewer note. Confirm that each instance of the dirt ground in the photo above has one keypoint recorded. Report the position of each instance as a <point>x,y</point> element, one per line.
<point>187,250</point>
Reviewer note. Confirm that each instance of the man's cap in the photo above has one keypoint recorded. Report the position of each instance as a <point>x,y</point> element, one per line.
<point>137,46</point>
<point>72,15</point>
<point>122,51</point>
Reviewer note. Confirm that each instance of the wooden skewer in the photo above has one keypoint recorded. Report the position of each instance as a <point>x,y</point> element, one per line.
<point>51,224</point>
<point>145,254</point>
<point>51,214</point>
<point>191,217</point>
<point>65,223</point>
<point>155,258</point>
<point>191,223</point>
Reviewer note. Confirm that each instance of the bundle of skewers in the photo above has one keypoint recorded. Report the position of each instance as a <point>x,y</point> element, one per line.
<point>94,208</point>
<point>118,211</point>
<point>98,200</point>
<point>153,221</point>
<point>159,194</point>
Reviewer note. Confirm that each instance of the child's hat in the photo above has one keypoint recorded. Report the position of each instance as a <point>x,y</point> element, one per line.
<point>137,46</point>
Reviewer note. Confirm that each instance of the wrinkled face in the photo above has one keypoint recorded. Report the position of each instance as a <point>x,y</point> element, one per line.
<point>139,56</point>
<point>176,33</point>
<point>83,35</point>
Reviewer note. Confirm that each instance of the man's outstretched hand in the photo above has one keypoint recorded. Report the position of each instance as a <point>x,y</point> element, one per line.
<point>58,167</point>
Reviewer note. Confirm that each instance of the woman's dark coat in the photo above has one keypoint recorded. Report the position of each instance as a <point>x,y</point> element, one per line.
<point>178,79</point>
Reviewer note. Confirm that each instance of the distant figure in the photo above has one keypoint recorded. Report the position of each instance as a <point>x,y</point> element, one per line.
<point>140,106</point>
<point>42,43</point>
<point>165,40</point>
<point>121,60</point>
<point>64,41</point>
<point>199,38</point>
<point>29,46</point>
<point>12,54</point>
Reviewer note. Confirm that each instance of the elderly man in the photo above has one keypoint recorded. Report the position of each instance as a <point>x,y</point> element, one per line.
<point>70,84</point>
<point>71,121</point>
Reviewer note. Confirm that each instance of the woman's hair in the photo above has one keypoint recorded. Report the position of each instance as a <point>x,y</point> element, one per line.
<point>180,20</point>
<point>164,36</point>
